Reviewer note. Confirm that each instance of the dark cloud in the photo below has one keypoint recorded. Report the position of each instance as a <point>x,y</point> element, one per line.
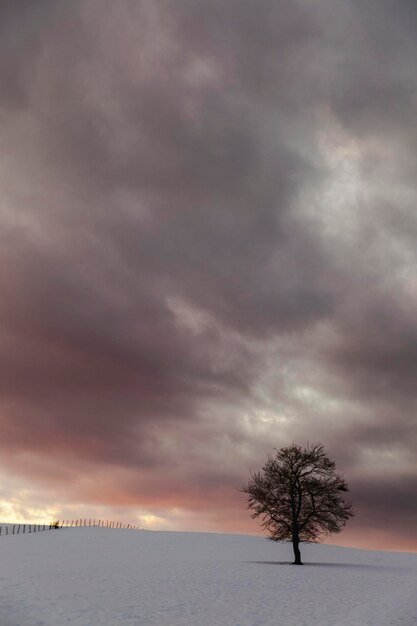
<point>207,248</point>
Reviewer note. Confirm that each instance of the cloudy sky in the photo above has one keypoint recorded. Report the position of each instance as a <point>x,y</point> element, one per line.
<point>208,236</point>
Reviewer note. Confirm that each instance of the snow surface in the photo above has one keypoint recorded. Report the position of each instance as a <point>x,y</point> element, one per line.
<point>103,577</point>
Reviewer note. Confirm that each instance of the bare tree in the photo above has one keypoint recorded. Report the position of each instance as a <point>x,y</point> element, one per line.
<point>298,496</point>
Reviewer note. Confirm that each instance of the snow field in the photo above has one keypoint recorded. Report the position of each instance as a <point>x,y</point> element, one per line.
<point>107,577</point>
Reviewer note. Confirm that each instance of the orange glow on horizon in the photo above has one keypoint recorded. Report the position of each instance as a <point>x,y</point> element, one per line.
<point>177,519</point>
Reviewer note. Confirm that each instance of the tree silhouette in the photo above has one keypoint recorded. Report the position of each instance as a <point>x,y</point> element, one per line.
<point>298,496</point>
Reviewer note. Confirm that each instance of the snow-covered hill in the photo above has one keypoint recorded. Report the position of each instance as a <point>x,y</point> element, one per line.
<point>100,577</point>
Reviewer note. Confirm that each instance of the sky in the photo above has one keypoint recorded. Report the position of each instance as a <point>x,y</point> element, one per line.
<point>208,250</point>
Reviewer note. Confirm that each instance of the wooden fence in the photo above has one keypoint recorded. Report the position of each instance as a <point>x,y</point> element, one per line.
<point>95,523</point>
<point>16,529</point>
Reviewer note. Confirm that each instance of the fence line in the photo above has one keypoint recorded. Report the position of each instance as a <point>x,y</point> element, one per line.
<point>95,523</point>
<point>16,529</point>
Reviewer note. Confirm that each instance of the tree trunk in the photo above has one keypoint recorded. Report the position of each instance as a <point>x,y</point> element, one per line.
<point>296,548</point>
